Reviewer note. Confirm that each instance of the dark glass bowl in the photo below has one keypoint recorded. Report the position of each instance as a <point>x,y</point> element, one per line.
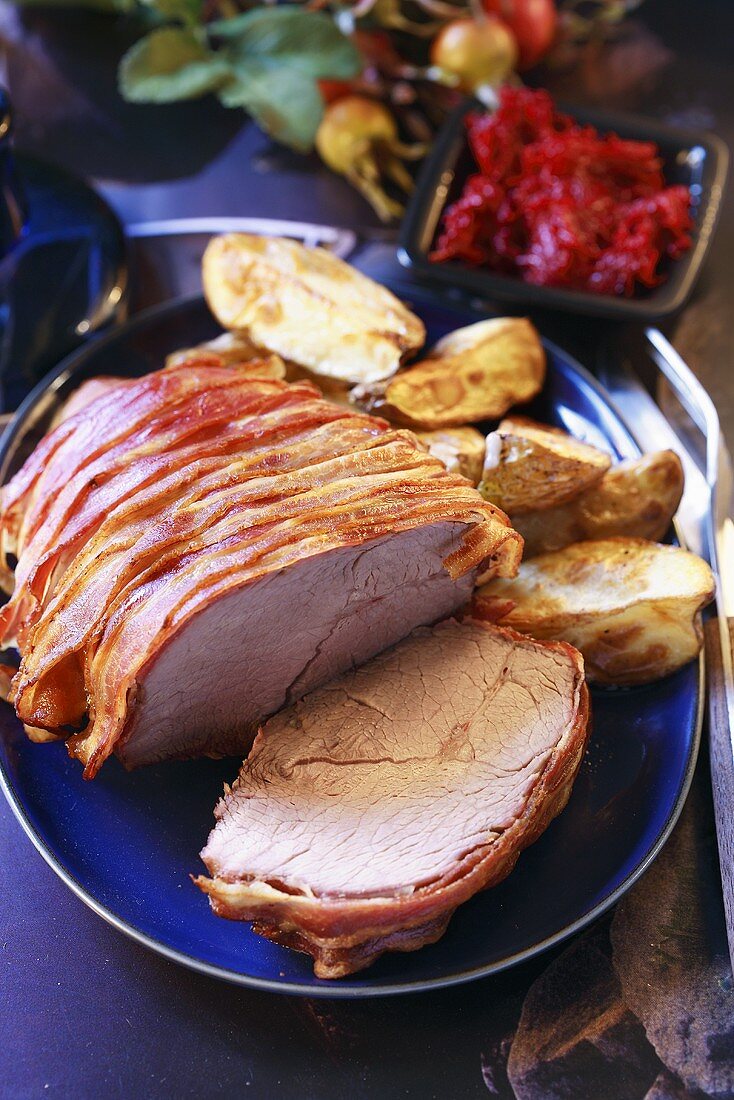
<point>691,157</point>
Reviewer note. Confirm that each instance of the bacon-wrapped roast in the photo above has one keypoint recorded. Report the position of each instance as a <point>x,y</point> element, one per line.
<point>199,547</point>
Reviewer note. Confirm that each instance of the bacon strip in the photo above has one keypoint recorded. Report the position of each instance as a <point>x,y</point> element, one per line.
<point>162,495</point>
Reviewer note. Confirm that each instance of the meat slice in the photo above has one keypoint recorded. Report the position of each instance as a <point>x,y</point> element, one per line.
<point>368,811</point>
<point>271,642</point>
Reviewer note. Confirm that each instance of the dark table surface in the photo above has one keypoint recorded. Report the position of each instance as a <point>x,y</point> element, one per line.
<point>84,1011</point>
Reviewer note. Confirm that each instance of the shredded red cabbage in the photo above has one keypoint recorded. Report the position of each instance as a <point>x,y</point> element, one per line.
<point>561,205</point>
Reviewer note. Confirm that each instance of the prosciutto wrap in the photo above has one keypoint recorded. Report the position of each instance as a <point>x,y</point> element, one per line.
<point>189,551</point>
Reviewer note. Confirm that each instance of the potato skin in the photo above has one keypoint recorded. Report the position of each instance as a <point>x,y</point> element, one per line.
<point>229,347</point>
<point>530,466</point>
<point>308,306</point>
<point>233,348</point>
<point>629,605</point>
<point>476,373</point>
<point>460,449</point>
<point>638,498</point>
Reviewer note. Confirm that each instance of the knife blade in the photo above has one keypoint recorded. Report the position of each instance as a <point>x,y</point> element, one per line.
<point>704,520</point>
<point>638,408</point>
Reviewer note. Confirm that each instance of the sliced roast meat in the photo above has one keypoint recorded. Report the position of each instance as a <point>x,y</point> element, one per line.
<point>201,547</point>
<point>272,641</point>
<point>369,810</point>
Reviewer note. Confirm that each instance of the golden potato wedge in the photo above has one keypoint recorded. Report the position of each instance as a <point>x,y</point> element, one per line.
<point>638,497</point>
<point>230,347</point>
<point>40,736</point>
<point>528,466</point>
<point>233,348</point>
<point>476,373</point>
<point>332,388</point>
<point>308,306</point>
<point>460,449</point>
<point>630,606</point>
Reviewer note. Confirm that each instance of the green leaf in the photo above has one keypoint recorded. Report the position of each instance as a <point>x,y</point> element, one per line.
<point>308,40</point>
<point>95,5</point>
<point>188,12</point>
<point>284,101</point>
<point>168,64</point>
<point>277,54</point>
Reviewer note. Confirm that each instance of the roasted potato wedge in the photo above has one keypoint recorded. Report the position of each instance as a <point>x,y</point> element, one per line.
<point>630,606</point>
<point>230,347</point>
<point>234,348</point>
<point>638,497</point>
<point>225,350</point>
<point>460,449</point>
<point>529,467</point>
<point>332,388</point>
<point>476,373</point>
<point>308,306</point>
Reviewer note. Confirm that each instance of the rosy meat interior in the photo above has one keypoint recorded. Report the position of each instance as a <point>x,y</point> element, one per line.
<point>366,812</point>
<point>251,652</point>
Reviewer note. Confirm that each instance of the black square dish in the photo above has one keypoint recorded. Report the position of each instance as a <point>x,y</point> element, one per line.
<point>691,157</point>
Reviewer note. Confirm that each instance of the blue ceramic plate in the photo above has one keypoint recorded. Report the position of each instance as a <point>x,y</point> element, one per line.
<point>127,843</point>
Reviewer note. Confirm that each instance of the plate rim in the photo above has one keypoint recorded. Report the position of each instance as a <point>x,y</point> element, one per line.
<point>48,385</point>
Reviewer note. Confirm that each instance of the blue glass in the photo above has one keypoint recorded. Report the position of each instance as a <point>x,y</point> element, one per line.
<point>13,202</point>
<point>62,265</point>
<point>127,843</point>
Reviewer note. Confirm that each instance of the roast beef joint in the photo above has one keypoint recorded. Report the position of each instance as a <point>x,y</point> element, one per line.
<point>201,546</point>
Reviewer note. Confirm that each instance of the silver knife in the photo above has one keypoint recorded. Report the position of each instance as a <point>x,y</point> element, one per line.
<point>705,523</point>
